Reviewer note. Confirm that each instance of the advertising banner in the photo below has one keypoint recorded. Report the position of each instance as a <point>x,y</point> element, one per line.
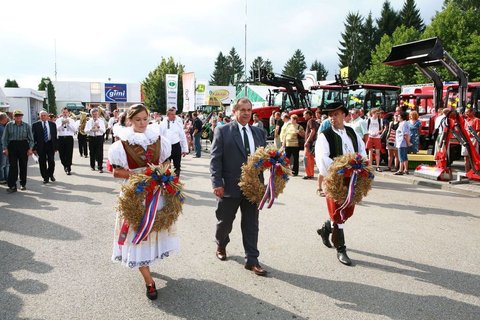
<point>200,92</point>
<point>171,87</point>
<point>188,79</point>
<point>115,92</point>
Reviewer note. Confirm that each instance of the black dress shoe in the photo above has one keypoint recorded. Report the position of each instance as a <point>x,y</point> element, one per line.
<point>151,291</point>
<point>45,181</point>
<point>221,254</point>
<point>343,257</point>
<point>23,188</point>
<point>100,171</point>
<point>52,178</point>
<point>257,269</point>
<point>12,190</point>
<point>69,173</point>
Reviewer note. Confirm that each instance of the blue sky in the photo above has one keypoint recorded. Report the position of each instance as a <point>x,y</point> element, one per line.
<point>125,40</point>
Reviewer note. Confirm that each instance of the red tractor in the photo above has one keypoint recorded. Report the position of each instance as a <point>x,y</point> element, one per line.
<point>426,54</point>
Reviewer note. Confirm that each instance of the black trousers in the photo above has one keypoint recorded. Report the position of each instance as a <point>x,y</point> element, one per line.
<point>226,210</point>
<point>46,160</point>
<point>65,150</point>
<point>293,151</point>
<point>95,145</point>
<point>82,144</point>
<point>18,159</point>
<point>176,157</point>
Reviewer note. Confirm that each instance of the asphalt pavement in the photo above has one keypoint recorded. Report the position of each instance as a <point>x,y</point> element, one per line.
<point>413,242</point>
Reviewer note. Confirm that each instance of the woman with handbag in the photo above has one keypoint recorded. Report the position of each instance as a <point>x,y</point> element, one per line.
<point>392,150</point>
<point>291,137</point>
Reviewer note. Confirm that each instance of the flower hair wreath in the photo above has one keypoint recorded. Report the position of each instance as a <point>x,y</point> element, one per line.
<point>264,158</point>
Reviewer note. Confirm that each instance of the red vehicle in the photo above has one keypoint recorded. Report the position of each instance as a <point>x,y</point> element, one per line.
<point>290,94</point>
<point>368,96</point>
<point>426,54</point>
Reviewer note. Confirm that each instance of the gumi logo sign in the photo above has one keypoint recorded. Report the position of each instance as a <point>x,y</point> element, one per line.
<point>116,92</point>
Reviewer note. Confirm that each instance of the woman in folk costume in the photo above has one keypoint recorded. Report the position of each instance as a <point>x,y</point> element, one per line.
<point>336,141</point>
<point>140,145</point>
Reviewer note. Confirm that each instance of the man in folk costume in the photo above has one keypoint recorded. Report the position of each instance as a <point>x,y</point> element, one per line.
<point>333,142</point>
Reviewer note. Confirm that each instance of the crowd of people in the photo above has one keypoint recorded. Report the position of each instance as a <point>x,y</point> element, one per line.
<point>140,138</point>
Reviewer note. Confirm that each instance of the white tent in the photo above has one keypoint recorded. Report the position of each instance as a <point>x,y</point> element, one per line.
<point>4,105</point>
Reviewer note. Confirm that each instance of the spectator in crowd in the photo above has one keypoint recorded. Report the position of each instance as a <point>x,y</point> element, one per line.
<point>358,124</point>
<point>197,134</point>
<point>309,147</point>
<point>3,158</point>
<point>414,131</point>
<point>391,148</point>
<point>256,121</point>
<point>277,130</point>
<point>271,123</point>
<point>402,142</point>
<point>374,142</point>
<point>45,145</point>
<point>474,123</point>
<point>291,131</point>
<point>17,143</point>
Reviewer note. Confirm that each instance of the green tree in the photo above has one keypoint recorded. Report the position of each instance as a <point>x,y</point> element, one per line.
<point>11,84</point>
<point>352,50</point>
<point>389,20</point>
<point>463,4</point>
<point>296,65</point>
<point>258,63</point>
<point>220,75</point>
<point>322,72</point>
<point>236,67</point>
<point>381,73</point>
<point>457,27</point>
<point>410,16</point>
<point>154,85</point>
<point>51,107</point>
<point>369,40</point>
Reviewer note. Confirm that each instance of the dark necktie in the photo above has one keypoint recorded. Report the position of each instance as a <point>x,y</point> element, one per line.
<point>246,143</point>
<point>45,132</point>
<point>168,124</point>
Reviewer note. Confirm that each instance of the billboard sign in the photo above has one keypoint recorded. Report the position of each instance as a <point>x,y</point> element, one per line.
<point>115,92</point>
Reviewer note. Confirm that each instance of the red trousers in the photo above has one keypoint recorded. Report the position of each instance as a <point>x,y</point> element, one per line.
<point>310,163</point>
<point>335,215</point>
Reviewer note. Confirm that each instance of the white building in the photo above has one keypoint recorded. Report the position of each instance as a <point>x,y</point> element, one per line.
<point>4,105</point>
<point>78,95</point>
<point>28,100</point>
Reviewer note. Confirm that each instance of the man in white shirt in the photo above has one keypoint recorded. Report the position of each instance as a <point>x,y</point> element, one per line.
<point>111,122</point>
<point>66,128</point>
<point>374,142</point>
<point>95,128</point>
<point>172,129</point>
<point>332,142</point>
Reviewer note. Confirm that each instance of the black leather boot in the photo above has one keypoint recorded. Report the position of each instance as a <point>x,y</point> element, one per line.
<point>324,232</point>
<point>338,240</point>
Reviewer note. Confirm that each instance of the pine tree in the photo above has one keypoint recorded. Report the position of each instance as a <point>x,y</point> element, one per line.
<point>154,85</point>
<point>11,84</point>
<point>220,75</point>
<point>258,64</point>
<point>410,16</point>
<point>352,50</point>
<point>51,107</point>
<point>369,41</point>
<point>322,72</point>
<point>389,21</point>
<point>235,65</point>
<point>296,65</point>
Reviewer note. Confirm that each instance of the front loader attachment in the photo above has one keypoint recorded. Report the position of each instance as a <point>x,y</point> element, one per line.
<point>415,52</point>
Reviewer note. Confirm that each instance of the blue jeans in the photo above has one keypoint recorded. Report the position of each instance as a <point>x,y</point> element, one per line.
<point>198,145</point>
<point>3,166</point>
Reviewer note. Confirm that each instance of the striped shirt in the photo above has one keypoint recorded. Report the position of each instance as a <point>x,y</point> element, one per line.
<point>17,132</point>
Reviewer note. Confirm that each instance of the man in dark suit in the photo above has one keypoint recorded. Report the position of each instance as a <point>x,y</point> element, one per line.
<point>45,145</point>
<point>232,143</point>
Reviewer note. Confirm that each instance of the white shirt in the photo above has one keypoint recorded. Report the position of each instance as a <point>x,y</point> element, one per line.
<point>95,128</point>
<point>322,149</point>
<point>65,127</point>
<point>111,122</point>
<point>251,142</point>
<point>173,131</point>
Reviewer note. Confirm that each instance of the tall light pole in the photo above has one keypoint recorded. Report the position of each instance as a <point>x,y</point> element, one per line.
<point>47,82</point>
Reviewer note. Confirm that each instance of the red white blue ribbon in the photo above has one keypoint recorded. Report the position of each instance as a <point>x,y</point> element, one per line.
<point>148,218</point>
<point>350,195</point>
<point>270,190</point>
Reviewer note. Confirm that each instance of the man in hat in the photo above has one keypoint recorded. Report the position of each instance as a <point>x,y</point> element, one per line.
<point>333,142</point>
<point>17,144</point>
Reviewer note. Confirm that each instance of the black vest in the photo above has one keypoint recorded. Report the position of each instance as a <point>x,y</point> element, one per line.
<point>335,141</point>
